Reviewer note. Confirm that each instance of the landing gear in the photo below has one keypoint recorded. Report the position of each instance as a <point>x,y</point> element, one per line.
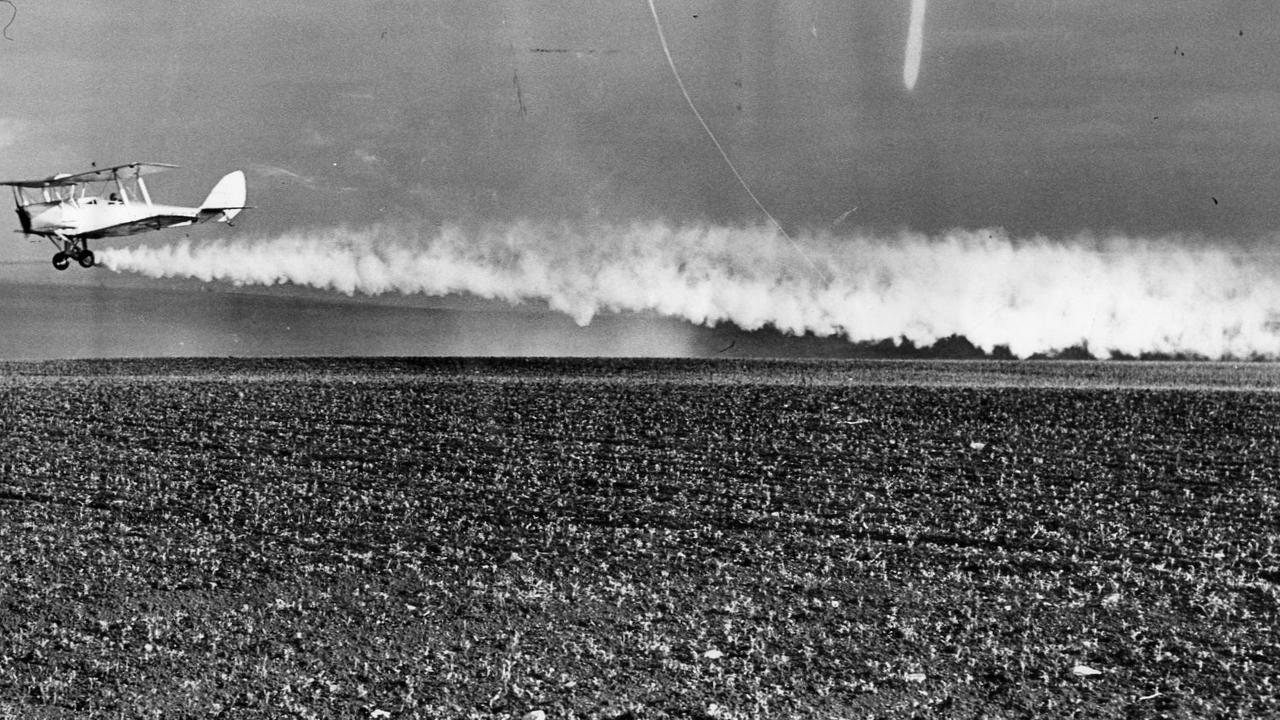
<point>72,249</point>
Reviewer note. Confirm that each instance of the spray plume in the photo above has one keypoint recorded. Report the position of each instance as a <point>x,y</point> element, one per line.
<point>1032,296</point>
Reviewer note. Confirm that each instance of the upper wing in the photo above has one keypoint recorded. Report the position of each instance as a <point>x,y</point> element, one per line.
<point>129,171</point>
<point>54,181</point>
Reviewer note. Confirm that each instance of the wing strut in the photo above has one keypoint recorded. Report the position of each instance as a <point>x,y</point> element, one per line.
<point>124,194</point>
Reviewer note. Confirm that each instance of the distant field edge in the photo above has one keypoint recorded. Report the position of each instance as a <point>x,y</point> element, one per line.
<point>1100,374</point>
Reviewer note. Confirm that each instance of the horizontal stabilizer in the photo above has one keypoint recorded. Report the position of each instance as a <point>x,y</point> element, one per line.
<point>226,200</point>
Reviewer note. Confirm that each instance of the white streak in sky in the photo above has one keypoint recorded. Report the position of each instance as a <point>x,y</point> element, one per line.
<point>1115,295</point>
<point>671,63</point>
<point>915,43</point>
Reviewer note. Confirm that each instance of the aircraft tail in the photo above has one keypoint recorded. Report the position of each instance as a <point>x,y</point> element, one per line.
<point>226,200</point>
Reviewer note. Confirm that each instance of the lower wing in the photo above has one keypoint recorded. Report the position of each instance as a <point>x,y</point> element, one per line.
<point>133,227</point>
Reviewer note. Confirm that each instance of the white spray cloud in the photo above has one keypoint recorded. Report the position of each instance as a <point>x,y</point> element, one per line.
<point>1033,295</point>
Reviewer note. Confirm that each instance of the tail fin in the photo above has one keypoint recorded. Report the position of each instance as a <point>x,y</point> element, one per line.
<point>226,199</point>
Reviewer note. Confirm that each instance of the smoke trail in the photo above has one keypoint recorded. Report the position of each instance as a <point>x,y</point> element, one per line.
<point>915,43</point>
<point>1037,295</point>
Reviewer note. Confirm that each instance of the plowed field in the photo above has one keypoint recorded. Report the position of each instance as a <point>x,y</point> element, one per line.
<point>606,539</point>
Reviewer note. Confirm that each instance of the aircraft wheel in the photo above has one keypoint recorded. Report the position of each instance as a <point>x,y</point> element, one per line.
<point>61,261</point>
<point>86,259</point>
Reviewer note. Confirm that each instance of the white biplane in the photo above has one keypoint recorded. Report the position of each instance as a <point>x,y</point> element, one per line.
<point>62,208</point>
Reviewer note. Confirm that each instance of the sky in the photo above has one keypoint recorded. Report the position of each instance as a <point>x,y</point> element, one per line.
<point>541,153</point>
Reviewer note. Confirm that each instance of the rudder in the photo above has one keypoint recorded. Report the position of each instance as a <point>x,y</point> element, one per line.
<point>227,197</point>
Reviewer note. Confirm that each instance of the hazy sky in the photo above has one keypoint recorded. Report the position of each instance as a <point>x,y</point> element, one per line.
<point>1146,117</point>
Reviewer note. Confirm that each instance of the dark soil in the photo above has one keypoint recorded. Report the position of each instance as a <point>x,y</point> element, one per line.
<point>643,539</point>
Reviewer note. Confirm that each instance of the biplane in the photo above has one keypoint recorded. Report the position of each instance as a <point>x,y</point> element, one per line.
<point>71,210</point>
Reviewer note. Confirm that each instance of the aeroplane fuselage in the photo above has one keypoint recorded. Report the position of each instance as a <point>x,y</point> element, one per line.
<point>96,217</point>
